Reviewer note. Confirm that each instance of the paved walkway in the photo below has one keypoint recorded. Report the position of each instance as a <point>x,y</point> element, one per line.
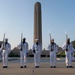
<point>14,69</point>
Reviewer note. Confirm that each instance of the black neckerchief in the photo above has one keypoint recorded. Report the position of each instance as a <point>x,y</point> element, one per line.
<point>6,43</point>
<point>37,44</point>
<point>52,44</point>
<point>67,46</point>
<point>23,43</point>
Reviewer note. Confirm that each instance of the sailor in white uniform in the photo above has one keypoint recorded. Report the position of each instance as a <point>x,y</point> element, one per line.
<point>37,48</point>
<point>68,48</point>
<point>53,48</point>
<point>5,52</point>
<point>23,47</point>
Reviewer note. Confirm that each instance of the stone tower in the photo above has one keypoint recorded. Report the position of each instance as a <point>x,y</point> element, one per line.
<point>37,22</point>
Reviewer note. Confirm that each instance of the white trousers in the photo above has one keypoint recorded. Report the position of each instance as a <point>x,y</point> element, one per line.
<point>68,59</point>
<point>5,58</point>
<point>52,58</point>
<point>22,58</point>
<point>73,59</point>
<point>37,59</point>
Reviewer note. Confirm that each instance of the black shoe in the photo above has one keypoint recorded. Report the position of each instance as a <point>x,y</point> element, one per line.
<point>71,66</point>
<point>67,66</point>
<point>51,67</point>
<point>21,67</point>
<point>6,67</point>
<point>3,66</point>
<point>25,67</point>
<point>54,66</point>
<point>37,66</point>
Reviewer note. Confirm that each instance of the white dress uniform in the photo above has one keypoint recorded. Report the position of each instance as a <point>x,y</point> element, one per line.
<point>68,53</point>
<point>5,53</point>
<point>73,59</point>
<point>54,49</point>
<point>38,49</point>
<point>23,53</point>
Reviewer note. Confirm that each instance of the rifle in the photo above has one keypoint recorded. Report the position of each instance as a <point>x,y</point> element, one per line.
<point>21,40</point>
<point>50,40</point>
<point>66,35</point>
<point>66,40</point>
<point>4,42</point>
<point>50,37</point>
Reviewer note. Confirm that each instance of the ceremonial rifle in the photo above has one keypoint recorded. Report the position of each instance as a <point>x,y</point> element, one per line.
<point>50,38</point>
<point>21,40</point>
<point>4,41</point>
<point>66,35</point>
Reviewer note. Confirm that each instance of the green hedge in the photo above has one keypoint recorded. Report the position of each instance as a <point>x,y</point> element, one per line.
<point>61,55</point>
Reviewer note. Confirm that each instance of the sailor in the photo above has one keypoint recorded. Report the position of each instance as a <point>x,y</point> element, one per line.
<point>6,48</point>
<point>68,48</point>
<point>23,47</point>
<point>53,48</point>
<point>37,48</point>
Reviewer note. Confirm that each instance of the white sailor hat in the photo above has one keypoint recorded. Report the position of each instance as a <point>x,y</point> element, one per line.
<point>68,38</point>
<point>6,39</point>
<point>24,38</point>
<point>36,39</point>
<point>52,39</point>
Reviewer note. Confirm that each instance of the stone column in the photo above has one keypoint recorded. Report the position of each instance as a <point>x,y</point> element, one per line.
<point>37,22</point>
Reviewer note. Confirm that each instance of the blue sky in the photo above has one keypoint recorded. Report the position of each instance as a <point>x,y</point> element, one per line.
<point>17,16</point>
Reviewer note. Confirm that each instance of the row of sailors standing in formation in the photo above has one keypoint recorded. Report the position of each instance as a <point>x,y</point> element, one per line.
<point>37,49</point>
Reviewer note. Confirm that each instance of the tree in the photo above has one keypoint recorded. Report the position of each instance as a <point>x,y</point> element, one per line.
<point>73,44</point>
